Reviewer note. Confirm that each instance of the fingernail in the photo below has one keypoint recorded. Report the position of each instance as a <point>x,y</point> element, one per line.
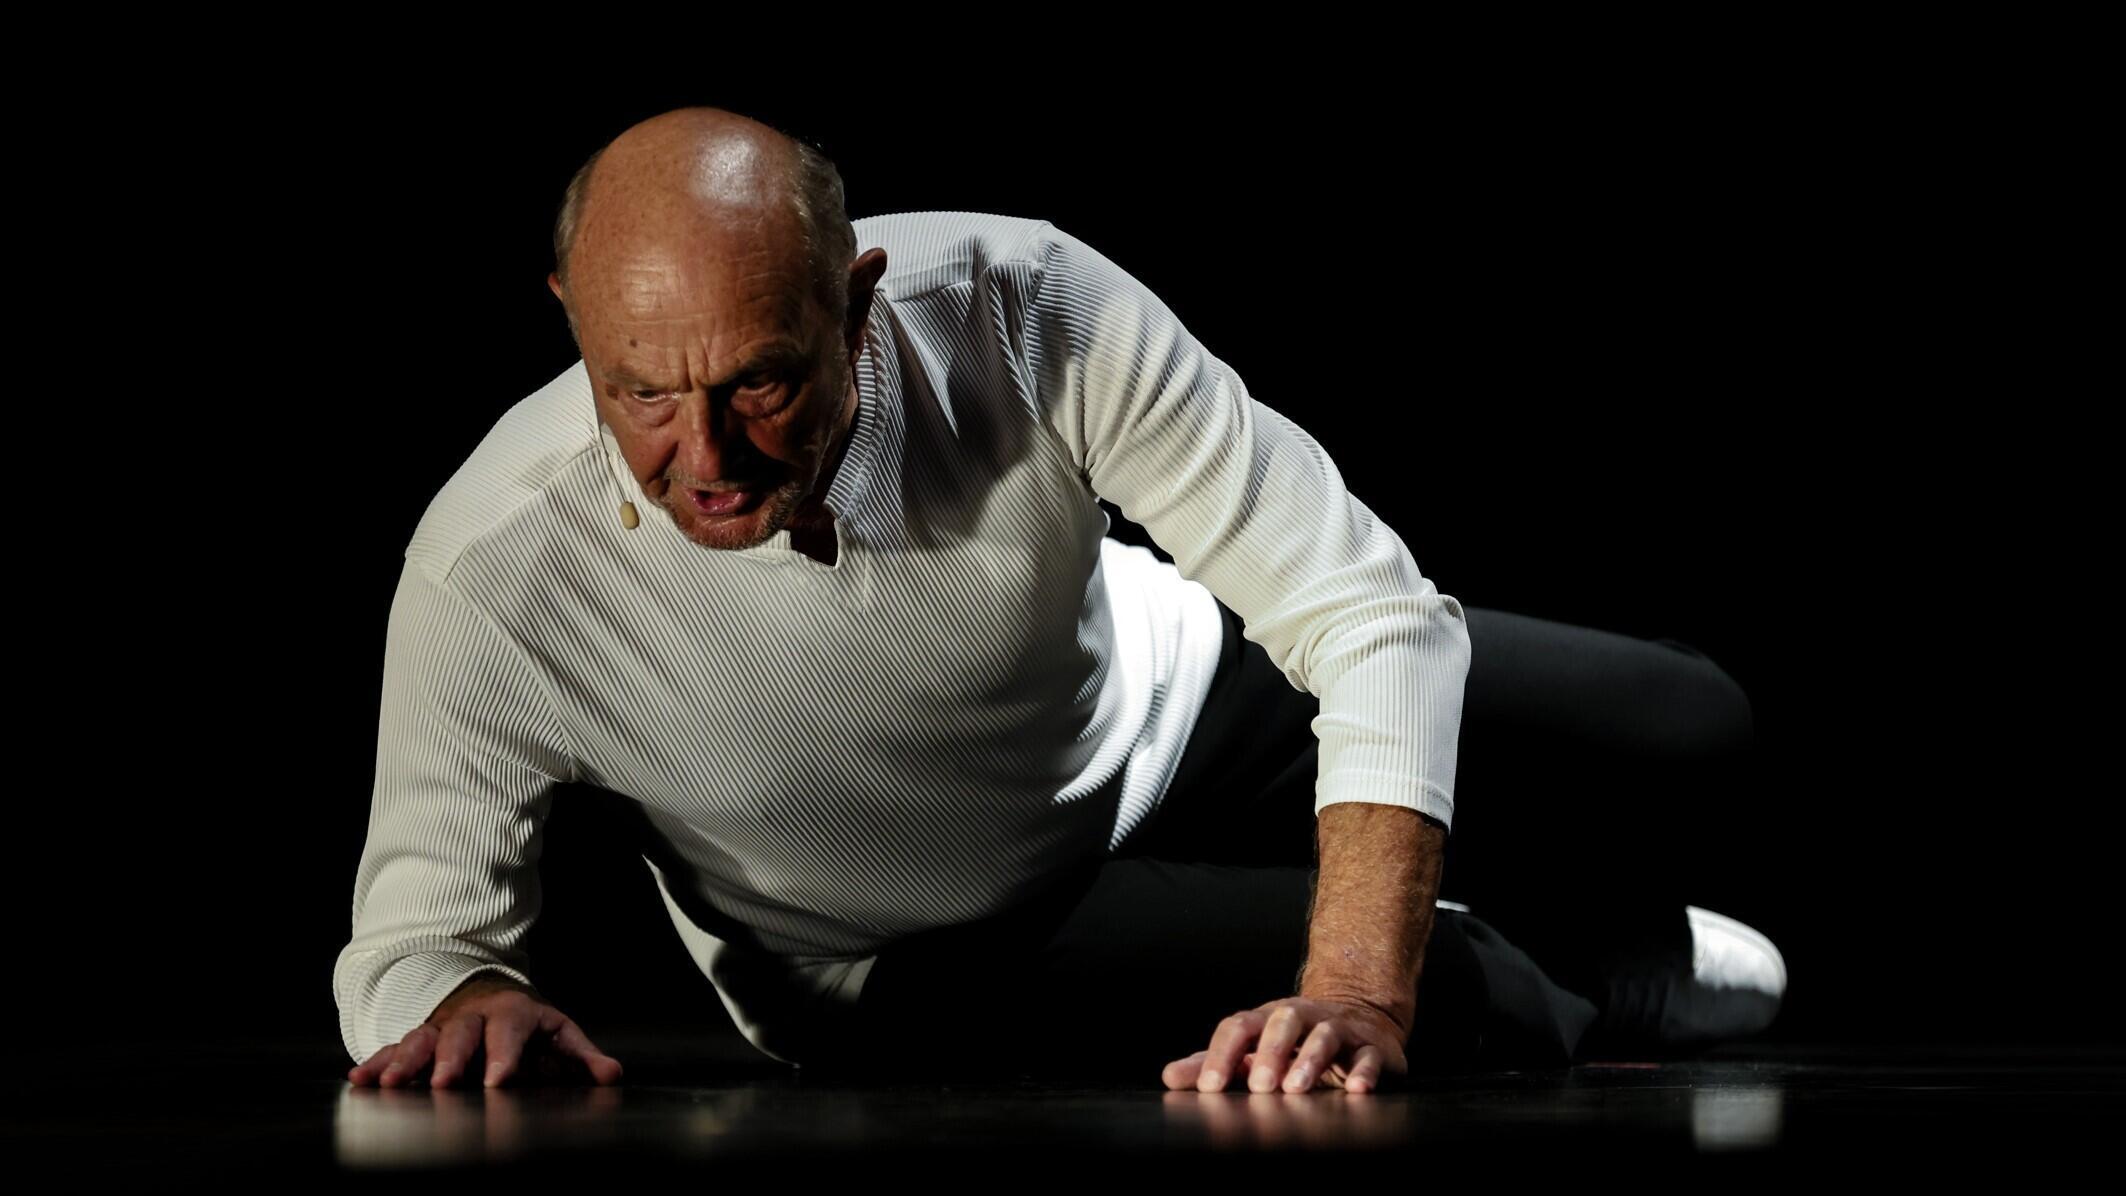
<point>1215,1079</point>
<point>1263,1080</point>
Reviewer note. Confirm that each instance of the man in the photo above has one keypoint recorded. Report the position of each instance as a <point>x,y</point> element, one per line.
<point>805,556</point>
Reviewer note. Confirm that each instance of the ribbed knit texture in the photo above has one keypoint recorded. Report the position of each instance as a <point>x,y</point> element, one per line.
<point>982,692</point>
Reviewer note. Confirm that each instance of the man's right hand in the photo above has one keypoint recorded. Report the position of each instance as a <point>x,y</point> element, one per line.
<point>496,1017</point>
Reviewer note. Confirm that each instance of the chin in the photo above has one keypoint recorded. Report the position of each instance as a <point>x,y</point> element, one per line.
<point>750,530</point>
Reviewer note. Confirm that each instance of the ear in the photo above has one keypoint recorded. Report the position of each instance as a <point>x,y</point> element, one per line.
<point>553,283</point>
<point>864,274</point>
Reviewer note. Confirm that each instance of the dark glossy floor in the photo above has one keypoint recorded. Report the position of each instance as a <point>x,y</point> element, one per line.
<point>719,1108</point>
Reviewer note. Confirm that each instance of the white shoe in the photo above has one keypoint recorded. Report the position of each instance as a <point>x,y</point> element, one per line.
<point>1734,988</point>
<point>1738,980</point>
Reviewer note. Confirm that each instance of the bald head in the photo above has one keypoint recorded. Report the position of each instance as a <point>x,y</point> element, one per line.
<point>714,182</point>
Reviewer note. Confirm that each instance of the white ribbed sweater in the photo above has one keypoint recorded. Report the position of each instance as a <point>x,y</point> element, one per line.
<point>982,691</point>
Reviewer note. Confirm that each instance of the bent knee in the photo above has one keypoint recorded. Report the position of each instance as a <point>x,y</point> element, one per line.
<point>1699,711</point>
<point>1720,719</point>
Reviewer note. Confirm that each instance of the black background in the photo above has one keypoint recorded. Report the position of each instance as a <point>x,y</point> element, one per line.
<point>1741,352</point>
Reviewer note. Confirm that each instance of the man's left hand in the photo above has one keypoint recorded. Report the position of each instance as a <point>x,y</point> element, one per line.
<point>1295,1044</point>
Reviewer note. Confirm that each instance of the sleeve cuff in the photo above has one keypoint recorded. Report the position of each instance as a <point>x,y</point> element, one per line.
<point>1422,796</point>
<point>405,994</point>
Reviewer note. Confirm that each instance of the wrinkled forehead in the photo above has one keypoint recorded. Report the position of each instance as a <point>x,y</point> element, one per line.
<point>715,279</point>
<point>671,281</point>
<point>627,226</point>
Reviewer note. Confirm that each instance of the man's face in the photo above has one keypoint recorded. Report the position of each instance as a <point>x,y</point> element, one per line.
<point>718,373</point>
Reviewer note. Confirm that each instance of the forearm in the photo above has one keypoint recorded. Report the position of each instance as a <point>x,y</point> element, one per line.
<point>1379,870</point>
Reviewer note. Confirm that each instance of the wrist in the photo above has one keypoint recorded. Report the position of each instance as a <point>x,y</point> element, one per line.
<point>1401,1011</point>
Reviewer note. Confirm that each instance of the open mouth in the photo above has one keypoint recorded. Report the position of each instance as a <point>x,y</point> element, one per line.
<point>733,502</point>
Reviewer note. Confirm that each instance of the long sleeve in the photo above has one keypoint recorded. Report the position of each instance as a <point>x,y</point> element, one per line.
<point>1251,506</point>
<point>468,756</point>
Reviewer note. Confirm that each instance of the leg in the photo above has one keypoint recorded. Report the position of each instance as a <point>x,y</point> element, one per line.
<point>1203,910</point>
<point>1592,767</point>
<point>1586,756</point>
<point>1597,768</point>
<point>1132,964</point>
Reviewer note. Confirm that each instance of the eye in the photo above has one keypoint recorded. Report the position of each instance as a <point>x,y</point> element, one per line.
<point>756,388</point>
<point>761,397</point>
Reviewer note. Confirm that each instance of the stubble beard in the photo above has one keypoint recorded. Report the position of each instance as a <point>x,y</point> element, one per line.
<point>727,535</point>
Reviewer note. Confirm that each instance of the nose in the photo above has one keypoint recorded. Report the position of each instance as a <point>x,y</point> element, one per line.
<point>711,442</point>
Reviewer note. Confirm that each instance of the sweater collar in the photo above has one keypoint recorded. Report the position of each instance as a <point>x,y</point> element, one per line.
<point>852,478</point>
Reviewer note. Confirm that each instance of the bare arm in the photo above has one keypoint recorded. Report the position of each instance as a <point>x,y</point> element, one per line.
<point>1373,906</point>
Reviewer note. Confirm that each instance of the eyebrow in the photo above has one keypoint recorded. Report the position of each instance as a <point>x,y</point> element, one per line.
<point>779,356</point>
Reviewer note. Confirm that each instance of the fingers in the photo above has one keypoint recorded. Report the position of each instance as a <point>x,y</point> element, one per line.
<point>559,1050</point>
<point>412,1056</point>
<point>1365,1074</point>
<point>366,1072</point>
<point>1315,1056</point>
<point>507,1028</point>
<point>454,1049</point>
<point>571,1039</point>
<point>1221,1060</point>
<point>1280,1031</point>
<point>1183,1073</point>
<point>1263,1044</point>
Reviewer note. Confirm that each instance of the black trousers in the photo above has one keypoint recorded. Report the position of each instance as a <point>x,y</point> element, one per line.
<point>1598,778</point>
